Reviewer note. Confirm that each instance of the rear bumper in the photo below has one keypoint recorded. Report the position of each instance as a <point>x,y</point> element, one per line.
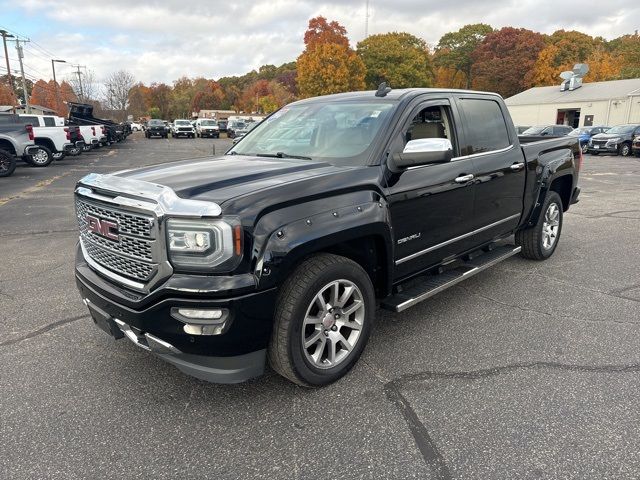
<point>31,149</point>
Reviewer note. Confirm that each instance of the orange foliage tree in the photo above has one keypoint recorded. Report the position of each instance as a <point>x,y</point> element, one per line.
<point>7,96</point>
<point>328,65</point>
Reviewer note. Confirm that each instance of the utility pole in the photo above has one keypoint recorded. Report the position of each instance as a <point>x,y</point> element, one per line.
<point>55,82</point>
<point>24,82</point>
<point>6,35</point>
<point>80,81</point>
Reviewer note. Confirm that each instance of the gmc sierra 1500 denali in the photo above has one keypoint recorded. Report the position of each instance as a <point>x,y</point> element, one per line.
<point>282,248</point>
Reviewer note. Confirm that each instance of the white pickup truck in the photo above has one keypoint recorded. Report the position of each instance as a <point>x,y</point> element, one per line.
<point>93,135</point>
<point>53,139</point>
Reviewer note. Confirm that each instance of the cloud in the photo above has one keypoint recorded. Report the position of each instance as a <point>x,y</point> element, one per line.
<point>162,41</point>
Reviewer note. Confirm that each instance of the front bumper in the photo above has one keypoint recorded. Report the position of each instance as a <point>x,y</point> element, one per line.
<point>210,133</point>
<point>235,355</point>
<point>602,148</point>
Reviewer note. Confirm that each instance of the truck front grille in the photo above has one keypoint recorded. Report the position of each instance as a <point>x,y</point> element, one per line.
<point>600,143</point>
<point>132,254</point>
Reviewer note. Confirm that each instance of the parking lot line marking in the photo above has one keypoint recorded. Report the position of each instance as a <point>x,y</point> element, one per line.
<point>35,188</point>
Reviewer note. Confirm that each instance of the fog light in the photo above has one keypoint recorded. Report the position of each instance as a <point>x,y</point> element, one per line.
<point>192,329</point>
<point>200,314</point>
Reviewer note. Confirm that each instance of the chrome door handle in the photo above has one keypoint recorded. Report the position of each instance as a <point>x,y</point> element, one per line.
<point>517,166</point>
<point>464,178</point>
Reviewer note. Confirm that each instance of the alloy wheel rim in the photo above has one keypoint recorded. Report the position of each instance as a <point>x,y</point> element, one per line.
<point>40,156</point>
<point>550,226</point>
<point>333,324</point>
<point>4,164</point>
<point>625,150</point>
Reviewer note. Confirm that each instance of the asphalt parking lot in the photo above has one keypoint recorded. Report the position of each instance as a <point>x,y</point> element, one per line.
<point>528,370</point>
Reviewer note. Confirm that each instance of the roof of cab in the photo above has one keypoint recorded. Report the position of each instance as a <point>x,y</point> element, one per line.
<point>394,94</point>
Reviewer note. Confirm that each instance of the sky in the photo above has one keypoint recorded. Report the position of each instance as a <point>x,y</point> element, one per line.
<point>160,41</point>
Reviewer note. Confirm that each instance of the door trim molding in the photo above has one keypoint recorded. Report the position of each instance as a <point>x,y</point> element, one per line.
<point>455,239</point>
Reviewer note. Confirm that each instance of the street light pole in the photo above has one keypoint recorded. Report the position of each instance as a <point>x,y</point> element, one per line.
<point>55,82</point>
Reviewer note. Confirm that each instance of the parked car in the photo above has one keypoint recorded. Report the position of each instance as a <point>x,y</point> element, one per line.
<point>216,265</point>
<point>205,127</point>
<point>53,140</point>
<point>236,129</point>
<point>584,134</point>
<point>222,125</point>
<point>136,127</point>
<point>617,140</point>
<point>182,128</point>
<point>635,146</point>
<point>548,131</point>
<point>156,128</point>
<point>16,143</point>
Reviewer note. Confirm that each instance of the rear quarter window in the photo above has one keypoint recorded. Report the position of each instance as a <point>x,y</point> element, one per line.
<point>49,122</point>
<point>485,126</point>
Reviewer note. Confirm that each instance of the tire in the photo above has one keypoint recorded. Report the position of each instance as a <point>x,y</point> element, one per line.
<point>298,300</point>
<point>42,158</point>
<point>58,155</point>
<point>7,163</point>
<point>624,150</point>
<point>75,151</point>
<point>585,147</point>
<point>534,241</point>
<point>595,154</point>
<point>87,148</point>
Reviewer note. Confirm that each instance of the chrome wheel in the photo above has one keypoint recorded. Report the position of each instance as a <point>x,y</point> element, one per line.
<point>41,157</point>
<point>625,150</point>
<point>332,324</point>
<point>550,226</point>
<point>585,148</point>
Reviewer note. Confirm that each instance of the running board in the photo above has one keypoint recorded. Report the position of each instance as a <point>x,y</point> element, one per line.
<point>433,284</point>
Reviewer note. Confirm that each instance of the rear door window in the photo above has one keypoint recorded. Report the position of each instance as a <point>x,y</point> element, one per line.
<point>29,120</point>
<point>49,122</point>
<point>485,126</point>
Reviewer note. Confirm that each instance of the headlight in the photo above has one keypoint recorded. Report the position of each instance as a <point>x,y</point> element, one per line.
<point>204,245</point>
<point>614,140</point>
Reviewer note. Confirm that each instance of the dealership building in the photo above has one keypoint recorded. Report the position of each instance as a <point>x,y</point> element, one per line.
<point>591,104</point>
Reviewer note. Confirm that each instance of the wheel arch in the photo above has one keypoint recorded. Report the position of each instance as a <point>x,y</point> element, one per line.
<point>46,142</point>
<point>7,145</point>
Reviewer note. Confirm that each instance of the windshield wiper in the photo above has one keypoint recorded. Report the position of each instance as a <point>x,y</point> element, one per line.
<point>282,155</point>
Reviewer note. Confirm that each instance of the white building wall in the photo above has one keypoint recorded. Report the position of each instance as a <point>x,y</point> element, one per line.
<point>605,112</point>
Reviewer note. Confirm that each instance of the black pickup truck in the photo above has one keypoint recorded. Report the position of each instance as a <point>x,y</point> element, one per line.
<point>82,114</point>
<point>284,247</point>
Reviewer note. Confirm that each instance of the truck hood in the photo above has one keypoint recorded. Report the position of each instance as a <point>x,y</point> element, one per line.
<point>607,136</point>
<point>224,178</point>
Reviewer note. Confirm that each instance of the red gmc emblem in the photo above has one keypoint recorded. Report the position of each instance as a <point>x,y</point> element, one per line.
<point>104,228</point>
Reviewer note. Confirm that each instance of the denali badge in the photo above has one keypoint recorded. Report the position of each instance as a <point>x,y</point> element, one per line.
<point>410,237</point>
<point>104,228</point>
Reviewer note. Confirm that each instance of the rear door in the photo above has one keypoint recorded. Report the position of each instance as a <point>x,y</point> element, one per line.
<point>431,206</point>
<point>499,167</point>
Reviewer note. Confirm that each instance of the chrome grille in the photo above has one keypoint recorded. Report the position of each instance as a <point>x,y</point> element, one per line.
<point>132,255</point>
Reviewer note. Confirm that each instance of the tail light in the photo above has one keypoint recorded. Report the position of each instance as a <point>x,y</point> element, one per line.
<point>66,130</point>
<point>30,131</point>
<point>93,131</point>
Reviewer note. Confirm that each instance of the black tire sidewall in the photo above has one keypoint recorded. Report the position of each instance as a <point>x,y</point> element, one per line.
<point>301,366</point>
<point>622,148</point>
<point>6,156</point>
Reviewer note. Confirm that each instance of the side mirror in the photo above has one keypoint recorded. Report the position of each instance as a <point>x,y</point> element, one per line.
<point>424,151</point>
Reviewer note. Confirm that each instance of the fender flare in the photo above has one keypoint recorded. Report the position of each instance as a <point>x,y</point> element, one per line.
<point>278,250</point>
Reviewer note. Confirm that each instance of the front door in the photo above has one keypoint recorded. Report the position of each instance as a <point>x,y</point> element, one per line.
<point>430,205</point>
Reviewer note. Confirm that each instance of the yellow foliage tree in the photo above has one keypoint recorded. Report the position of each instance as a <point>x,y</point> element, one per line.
<point>449,77</point>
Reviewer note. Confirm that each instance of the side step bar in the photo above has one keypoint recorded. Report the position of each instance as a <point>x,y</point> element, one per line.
<point>433,284</point>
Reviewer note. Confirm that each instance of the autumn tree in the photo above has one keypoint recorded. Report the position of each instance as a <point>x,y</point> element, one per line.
<point>7,96</point>
<point>455,49</point>
<point>626,52</point>
<point>41,95</point>
<point>139,100</point>
<point>208,95</point>
<point>328,65</point>
<point>160,95</point>
<point>321,32</point>
<point>400,59</point>
<point>449,77</point>
<point>502,62</point>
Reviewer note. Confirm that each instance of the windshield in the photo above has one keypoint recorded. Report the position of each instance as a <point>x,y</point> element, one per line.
<point>534,130</point>
<point>622,129</point>
<point>208,123</point>
<point>183,122</point>
<point>337,132</point>
<point>156,123</point>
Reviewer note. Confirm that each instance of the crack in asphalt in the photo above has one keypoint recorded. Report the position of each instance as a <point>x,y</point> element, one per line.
<point>428,448</point>
<point>41,232</point>
<point>42,330</point>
